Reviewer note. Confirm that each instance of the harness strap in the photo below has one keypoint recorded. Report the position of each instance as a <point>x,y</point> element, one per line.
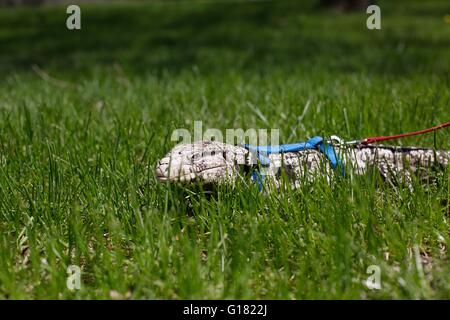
<point>262,153</point>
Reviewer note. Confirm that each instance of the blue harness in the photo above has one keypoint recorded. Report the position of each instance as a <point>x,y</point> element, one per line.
<point>262,153</point>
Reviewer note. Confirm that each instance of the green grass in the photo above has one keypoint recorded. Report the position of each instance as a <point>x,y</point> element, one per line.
<point>78,151</point>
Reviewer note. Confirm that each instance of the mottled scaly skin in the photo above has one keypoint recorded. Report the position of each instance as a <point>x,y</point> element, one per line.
<point>213,162</point>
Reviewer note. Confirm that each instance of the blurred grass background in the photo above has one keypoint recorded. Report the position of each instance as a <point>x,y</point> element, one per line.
<point>84,116</point>
<point>145,37</point>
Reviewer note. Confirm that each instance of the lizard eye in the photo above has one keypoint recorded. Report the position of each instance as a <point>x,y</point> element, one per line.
<point>197,156</point>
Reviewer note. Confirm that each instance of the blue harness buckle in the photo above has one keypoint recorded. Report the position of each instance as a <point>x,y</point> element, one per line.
<point>263,152</point>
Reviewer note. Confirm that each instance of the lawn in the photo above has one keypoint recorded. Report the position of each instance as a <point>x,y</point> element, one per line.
<point>85,115</point>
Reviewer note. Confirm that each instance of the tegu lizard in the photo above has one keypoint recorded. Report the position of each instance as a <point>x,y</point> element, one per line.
<point>215,162</point>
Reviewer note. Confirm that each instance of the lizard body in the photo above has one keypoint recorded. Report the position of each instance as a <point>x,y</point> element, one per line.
<point>215,162</point>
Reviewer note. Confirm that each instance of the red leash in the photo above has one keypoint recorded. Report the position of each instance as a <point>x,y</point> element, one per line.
<point>409,134</point>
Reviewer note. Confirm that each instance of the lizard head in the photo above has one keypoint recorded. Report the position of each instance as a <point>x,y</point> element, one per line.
<point>206,161</point>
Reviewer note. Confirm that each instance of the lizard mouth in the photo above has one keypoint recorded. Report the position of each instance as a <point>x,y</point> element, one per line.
<point>163,175</point>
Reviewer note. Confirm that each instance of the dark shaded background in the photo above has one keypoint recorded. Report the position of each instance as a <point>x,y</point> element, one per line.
<point>150,36</point>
